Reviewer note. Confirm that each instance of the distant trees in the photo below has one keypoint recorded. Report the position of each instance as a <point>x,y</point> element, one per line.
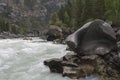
<point>6,26</point>
<point>77,12</point>
<point>55,20</point>
<point>3,26</point>
<point>113,10</point>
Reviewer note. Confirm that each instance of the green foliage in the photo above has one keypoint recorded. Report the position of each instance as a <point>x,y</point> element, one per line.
<point>77,12</point>
<point>6,26</point>
<point>3,25</point>
<point>55,20</point>
<point>113,11</point>
<point>66,18</point>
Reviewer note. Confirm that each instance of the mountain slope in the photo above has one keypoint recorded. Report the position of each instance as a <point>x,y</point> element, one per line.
<point>30,14</point>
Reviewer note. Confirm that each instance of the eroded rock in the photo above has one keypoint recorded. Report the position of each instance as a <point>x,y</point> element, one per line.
<point>93,51</point>
<point>96,37</point>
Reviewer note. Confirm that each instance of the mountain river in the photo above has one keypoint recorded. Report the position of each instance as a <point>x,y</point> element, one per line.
<point>23,60</point>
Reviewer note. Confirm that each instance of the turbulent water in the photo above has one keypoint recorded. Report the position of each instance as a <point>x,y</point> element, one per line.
<point>23,60</point>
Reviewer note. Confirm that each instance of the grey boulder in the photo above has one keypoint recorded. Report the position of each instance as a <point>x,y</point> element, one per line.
<point>95,37</point>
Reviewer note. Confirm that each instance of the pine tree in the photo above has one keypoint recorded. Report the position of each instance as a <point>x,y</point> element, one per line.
<point>66,18</point>
<point>77,12</point>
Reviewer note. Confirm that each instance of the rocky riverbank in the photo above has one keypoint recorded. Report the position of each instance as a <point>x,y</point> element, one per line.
<point>94,50</point>
<point>8,35</point>
<point>57,34</point>
<point>73,66</point>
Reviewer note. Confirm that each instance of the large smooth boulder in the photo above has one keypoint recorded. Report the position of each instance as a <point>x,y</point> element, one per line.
<point>95,37</point>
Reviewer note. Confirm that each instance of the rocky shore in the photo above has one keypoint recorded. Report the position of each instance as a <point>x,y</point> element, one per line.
<point>57,34</point>
<point>73,66</point>
<point>93,50</point>
<point>8,35</point>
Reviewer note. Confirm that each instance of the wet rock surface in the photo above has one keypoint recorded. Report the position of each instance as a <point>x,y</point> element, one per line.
<point>79,63</point>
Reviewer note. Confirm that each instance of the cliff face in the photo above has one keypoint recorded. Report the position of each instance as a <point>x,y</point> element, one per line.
<point>31,14</point>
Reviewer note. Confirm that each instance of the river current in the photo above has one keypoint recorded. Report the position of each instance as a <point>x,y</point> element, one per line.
<point>23,60</point>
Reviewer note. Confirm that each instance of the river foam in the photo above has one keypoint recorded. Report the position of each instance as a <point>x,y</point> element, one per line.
<point>23,59</point>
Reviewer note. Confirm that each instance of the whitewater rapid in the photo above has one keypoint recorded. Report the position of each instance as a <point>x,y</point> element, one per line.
<point>23,60</point>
